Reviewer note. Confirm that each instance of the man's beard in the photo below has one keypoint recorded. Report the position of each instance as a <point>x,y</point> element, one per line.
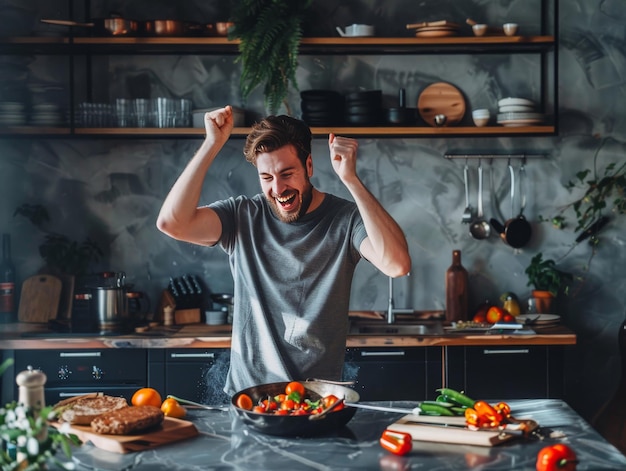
<point>305,202</point>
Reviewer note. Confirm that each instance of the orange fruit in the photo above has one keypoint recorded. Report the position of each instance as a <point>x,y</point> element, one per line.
<point>244,402</point>
<point>495,314</point>
<point>146,397</point>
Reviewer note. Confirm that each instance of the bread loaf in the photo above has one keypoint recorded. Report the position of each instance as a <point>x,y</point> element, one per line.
<point>81,410</point>
<point>127,420</point>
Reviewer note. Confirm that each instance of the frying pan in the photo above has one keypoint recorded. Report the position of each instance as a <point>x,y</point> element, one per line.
<point>296,425</point>
<point>515,232</point>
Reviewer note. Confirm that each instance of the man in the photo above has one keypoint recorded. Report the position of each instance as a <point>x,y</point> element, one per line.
<point>292,249</point>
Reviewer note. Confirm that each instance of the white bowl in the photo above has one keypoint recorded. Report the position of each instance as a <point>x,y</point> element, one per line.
<point>482,121</point>
<point>510,29</point>
<point>480,113</point>
<point>479,29</point>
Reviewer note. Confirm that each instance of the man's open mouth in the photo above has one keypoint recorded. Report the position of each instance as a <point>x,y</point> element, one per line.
<point>285,201</point>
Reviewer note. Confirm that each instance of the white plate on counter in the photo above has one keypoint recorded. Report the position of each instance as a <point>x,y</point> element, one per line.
<point>541,319</point>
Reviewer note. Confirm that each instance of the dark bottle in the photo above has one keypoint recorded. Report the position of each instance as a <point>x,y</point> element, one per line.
<point>7,283</point>
<point>456,289</point>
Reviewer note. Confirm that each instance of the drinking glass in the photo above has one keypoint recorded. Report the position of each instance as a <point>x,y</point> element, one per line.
<point>141,111</point>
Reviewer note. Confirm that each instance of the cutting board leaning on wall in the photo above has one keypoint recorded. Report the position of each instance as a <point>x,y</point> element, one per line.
<point>39,299</point>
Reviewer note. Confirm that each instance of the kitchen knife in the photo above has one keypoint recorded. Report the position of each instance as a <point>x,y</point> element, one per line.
<point>188,285</point>
<point>173,288</point>
<point>196,283</point>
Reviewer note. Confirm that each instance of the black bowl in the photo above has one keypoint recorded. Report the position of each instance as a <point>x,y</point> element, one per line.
<point>296,425</point>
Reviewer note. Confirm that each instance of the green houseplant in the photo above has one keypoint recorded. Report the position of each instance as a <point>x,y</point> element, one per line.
<point>547,280</point>
<point>269,32</point>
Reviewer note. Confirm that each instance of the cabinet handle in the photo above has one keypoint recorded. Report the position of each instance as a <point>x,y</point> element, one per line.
<point>79,354</point>
<point>69,394</point>
<point>507,352</point>
<point>192,355</point>
<point>383,354</point>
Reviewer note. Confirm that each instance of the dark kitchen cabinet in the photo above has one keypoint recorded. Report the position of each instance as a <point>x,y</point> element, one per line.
<point>394,373</point>
<point>197,374</point>
<point>117,372</point>
<point>512,372</point>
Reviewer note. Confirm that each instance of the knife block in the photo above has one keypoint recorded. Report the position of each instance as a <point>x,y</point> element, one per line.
<point>187,316</point>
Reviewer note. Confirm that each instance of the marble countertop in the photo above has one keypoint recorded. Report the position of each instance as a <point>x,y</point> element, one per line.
<point>39,336</point>
<point>225,443</point>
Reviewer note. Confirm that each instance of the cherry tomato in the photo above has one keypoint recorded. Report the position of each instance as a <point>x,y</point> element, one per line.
<point>556,457</point>
<point>294,386</point>
<point>281,412</point>
<point>287,404</point>
<point>398,443</point>
<point>259,409</point>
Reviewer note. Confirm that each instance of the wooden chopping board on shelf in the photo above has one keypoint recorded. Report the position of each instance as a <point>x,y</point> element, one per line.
<point>39,298</point>
<point>170,431</point>
<point>441,98</point>
<point>450,430</point>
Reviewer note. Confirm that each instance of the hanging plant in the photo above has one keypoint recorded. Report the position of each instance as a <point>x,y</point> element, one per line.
<point>269,32</point>
<point>603,192</point>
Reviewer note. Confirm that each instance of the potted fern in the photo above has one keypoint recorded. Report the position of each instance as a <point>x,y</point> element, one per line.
<point>548,281</point>
<point>269,32</point>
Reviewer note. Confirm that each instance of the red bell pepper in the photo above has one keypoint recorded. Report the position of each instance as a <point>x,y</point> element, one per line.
<point>556,457</point>
<point>398,443</point>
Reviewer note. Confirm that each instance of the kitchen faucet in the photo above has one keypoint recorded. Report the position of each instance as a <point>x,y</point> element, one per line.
<point>391,310</point>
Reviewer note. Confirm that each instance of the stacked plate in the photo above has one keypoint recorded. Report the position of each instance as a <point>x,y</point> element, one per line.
<point>321,107</point>
<point>437,29</point>
<point>518,112</point>
<point>12,113</point>
<point>46,114</point>
<point>364,108</point>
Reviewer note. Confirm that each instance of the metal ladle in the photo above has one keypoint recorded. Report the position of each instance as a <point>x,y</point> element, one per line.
<point>467,214</point>
<point>480,228</point>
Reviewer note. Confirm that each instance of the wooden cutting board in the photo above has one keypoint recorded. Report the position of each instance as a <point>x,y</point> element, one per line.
<point>39,299</point>
<point>441,98</point>
<point>171,430</point>
<point>448,430</point>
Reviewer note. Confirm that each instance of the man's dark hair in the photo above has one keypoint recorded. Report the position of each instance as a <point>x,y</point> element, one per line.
<point>274,132</point>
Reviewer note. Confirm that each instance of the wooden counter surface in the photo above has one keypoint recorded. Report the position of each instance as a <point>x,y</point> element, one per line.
<point>21,336</point>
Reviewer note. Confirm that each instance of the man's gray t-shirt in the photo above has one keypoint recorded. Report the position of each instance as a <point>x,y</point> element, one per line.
<point>291,288</point>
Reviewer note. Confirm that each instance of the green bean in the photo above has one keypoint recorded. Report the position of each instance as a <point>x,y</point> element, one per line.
<point>457,397</point>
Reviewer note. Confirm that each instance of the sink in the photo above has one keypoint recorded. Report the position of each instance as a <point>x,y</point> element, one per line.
<point>382,328</point>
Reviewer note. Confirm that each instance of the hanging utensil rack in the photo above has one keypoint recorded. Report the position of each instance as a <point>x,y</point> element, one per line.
<point>522,156</point>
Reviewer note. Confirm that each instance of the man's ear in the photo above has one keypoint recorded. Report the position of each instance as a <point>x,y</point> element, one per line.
<point>309,166</point>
